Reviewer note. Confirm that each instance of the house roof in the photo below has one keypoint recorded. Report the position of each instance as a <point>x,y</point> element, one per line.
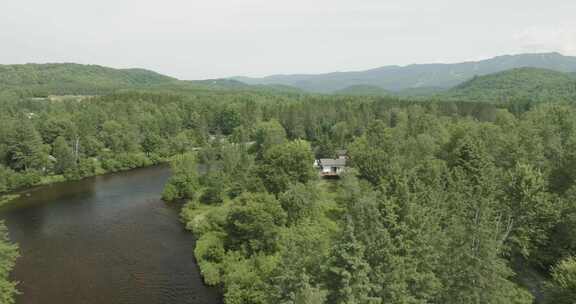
<point>331,162</point>
<point>341,152</point>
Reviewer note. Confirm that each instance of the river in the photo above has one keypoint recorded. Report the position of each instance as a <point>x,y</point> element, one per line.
<point>104,240</point>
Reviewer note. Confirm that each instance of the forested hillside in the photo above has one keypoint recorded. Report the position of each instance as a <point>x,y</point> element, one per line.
<point>73,79</point>
<point>363,90</point>
<point>41,80</point>
<point>530,84</point>
<point>422,76</point>
<point>211,85</point>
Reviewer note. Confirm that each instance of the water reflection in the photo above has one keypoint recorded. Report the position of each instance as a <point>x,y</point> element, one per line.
<point>107,239</point>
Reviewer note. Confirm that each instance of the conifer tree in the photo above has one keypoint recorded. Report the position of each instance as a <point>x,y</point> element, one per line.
<point>347,271</point>
<point>474,268</point>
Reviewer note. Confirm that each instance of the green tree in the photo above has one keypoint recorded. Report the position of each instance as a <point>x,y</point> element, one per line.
<point>25,149</point>
<point>347,272</point>
<point>475,270</point>
<point>119,137</point>
<point>8,255</point>
<point>55,127</point>
<point>563,287</point>
<point>65,158</point>
<point>184,182</point>
<point>406,257</point>
<point>529,209</point>
<point>561,242</point>
<point>303,250</point>
<point>228,120</point>
<point>6,176</point>
<point>246,279</point>
<point>253,224</point>
<point>154,144</point>
<point>288,163</point>
<point>309,294</point>
<point>183,142</point>
<point>401,230</point>
<point>267,135</point>
<point>299,202</point>
<point>214,188</point>
<point>374,153</point>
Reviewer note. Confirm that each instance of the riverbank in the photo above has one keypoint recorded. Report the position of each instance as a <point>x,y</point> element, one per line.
<point>9,196</point>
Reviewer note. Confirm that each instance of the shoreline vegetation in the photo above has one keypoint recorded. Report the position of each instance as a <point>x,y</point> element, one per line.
<point>7,198</point>
<point>8,255</point>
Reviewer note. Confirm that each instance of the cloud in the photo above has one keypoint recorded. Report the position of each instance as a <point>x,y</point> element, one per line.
<point>549,39</point>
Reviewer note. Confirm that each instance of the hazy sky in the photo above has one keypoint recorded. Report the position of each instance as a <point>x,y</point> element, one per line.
<point>194,39</point>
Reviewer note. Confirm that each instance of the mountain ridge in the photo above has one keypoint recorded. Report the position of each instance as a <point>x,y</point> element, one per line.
<point>398,78</point>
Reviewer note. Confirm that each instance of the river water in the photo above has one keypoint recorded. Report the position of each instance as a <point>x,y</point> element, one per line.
<point>104,240</point>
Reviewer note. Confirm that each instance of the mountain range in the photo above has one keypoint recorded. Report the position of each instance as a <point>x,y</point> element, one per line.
<point>78,79</point>
<point>533,77</point>
<point>418,77</point>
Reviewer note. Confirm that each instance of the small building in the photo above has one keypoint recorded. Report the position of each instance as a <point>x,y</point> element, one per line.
<point>331,167</point>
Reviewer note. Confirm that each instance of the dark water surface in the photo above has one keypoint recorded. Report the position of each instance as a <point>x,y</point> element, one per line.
<point>108,239</point>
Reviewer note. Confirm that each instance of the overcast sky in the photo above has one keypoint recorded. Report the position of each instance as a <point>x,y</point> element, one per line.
<point>196,39</point>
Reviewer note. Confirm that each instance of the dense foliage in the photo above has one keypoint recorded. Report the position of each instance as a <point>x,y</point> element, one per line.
<point>363,90</point>
<point>537,85</point>
<point>73,79</point>
<point>564,281</point>
<point>443,204</point>
<point>8,255</point>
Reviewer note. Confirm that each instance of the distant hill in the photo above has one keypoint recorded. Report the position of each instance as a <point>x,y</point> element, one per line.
<point>363,90</point>
<point>71,78</point>
<point>223,85</point>
<point>78,79</point>
<point>231,84</point>
<point>398,78</point>
<point>523,83</point>
<point>423,91</point>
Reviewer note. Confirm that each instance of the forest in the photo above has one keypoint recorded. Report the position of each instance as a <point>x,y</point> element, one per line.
<point>450,201</point>
<point>436,207</point>
<point>539,85</point>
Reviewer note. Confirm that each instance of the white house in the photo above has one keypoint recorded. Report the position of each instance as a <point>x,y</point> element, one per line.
<point>331,167</point>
